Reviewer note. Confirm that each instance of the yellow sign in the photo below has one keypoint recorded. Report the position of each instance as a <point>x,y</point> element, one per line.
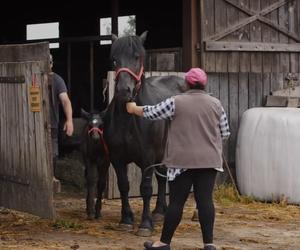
<point>35,98</point>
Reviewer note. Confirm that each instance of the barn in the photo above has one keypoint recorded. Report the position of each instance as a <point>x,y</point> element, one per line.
<point>248,47</point>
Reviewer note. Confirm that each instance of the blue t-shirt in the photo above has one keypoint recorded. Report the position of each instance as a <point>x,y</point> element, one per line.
<point>58,87</point>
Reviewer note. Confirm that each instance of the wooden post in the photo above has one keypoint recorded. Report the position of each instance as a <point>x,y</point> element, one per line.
<point>114,17</point>
<point>69,68</point>
<point>190,34</point>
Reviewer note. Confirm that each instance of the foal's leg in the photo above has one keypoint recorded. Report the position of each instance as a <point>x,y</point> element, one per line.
<point>146,226</point>
<point>91,181</point>
<point>102,179</point>
<point>127,217</point>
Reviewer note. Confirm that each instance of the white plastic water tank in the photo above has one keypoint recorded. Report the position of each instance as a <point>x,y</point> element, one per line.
<point>268,154</point>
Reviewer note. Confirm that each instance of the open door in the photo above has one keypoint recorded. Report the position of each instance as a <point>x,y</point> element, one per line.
<point>26,171</point>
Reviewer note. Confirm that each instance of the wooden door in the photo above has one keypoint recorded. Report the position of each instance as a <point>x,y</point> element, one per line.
<point>250,35</point>
<point>26,171</point>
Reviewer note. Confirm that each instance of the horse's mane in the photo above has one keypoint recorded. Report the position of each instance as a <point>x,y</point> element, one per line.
<point>128,45</point>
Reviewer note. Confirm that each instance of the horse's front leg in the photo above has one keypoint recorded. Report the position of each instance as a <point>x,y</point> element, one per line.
<point>127,218</point>
<point>146,226</point>
<point>102,178</point>
<point>161,204</point>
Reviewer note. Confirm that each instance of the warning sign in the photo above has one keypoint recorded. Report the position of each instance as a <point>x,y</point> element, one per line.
<point>35,98</point>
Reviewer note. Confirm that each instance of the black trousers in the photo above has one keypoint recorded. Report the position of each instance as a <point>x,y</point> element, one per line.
<point>203,181</point>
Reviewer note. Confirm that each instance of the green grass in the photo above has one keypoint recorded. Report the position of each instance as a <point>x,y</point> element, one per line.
<point>66,224</point>
<point>228,195</point>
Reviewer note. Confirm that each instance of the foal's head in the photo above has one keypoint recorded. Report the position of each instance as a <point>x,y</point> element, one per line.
<point>94,123</point>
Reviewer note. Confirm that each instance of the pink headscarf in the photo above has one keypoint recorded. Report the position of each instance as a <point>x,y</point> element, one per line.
<point>195,75</point>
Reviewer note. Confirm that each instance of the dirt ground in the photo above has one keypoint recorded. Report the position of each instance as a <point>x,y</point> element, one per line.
<point>240,225</point>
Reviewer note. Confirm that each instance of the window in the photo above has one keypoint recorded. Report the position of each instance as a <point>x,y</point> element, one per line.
<point>126,26</point>
<point>43,31</point>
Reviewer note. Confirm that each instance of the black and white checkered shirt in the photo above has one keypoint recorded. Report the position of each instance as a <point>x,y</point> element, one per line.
<point>166,110</point>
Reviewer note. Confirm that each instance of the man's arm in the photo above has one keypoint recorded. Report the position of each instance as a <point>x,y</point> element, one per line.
<point>67,107</point>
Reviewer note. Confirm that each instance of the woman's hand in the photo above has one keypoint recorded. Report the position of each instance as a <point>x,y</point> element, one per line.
<point>131,106</point>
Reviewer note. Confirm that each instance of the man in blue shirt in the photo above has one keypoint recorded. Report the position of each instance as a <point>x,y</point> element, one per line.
<point>59,95</point>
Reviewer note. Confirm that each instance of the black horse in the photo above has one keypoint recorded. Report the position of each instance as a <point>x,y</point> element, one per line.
<point>134,139</point>
<point>96,161</point>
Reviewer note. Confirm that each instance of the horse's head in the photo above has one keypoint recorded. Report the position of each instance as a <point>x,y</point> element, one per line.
<point>94,124</point>
<point>127,55</point>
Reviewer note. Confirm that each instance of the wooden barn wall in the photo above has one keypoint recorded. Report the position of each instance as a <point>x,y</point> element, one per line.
<point>220,15</point>
<point>239,92</point>
<point>247,47</point>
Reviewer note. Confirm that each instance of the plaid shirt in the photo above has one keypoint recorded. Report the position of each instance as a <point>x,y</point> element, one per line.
<point>166,110</point>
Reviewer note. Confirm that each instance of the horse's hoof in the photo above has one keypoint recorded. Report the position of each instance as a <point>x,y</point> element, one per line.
<point>125,227</point>
<point>195,216</point>
<point>157,217</point>
<point>144,232</point>
<point>98,216</point>
<point>90,217</point>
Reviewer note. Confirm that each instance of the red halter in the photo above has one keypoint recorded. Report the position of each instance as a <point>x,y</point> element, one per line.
<point>100,132</point>
<point>135,76</point>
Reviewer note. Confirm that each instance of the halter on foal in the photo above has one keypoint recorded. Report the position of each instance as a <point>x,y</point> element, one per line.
<point>96,160</point>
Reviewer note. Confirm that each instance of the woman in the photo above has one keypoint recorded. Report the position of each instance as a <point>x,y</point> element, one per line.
<point>193,153</point>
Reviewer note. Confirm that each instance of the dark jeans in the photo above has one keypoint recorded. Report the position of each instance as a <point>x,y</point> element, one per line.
<point>54,137</point>
<point>203,181</point>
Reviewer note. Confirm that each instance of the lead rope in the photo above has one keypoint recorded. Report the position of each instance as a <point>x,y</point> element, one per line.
<point>155,169</point>
<point>231,177</point>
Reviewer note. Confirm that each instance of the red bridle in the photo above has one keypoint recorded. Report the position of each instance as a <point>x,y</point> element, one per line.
<point>135,76</point>
<point>100,132</point>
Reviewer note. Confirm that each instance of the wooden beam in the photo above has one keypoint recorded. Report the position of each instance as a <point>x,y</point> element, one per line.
<point>233,28</point>
<point>71,39</point>
<point>253,17</point>
<point>190,18</point>
<point>263,12</point>
<point>252,47</point>
<point>281,29</point>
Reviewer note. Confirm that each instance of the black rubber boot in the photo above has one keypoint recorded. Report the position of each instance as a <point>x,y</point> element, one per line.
<point>148,246</point>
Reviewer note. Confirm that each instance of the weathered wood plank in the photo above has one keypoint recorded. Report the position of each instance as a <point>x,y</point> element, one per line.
<point>221,24</point>
<point>244,37</point>
<point>283,21</point>
<point>266,38</point>
<point>276,81</point>
<point>251,46</point>
<point>255,90</point>
<point>225,103</point>
<point>298,25</point>
<point>266,86</point>
<point>24,166</point>
<point>233,114</point>
<point>213,84</point>
<point>274,39</point>
<point>243,94</point>
<point>255,36</point>
<point>232,19</point>
<point>209,29</point>
<point>293,27</point>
